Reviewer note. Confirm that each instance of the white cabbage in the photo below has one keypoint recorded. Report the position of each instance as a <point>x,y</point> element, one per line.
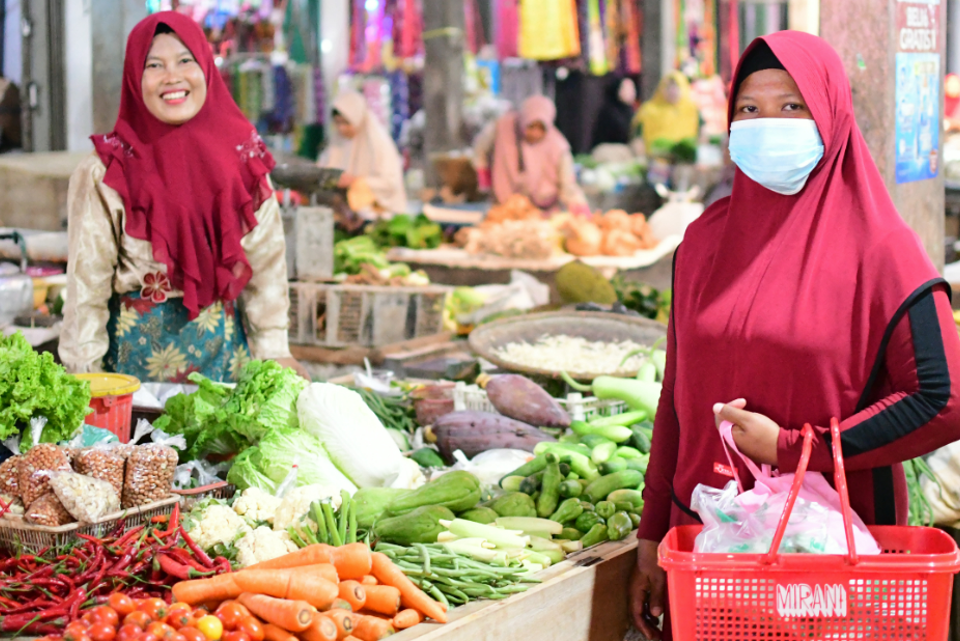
<point>358,444</point>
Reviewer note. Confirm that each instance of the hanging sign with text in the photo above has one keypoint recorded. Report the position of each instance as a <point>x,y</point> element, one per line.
<point>918,89</point>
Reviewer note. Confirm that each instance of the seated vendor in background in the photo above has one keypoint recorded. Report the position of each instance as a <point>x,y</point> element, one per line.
<point>523,153</point>
<point>366,153</point>
<point>671,115</point>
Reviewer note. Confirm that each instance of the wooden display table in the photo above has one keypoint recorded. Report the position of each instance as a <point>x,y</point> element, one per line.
<point>584,598</point>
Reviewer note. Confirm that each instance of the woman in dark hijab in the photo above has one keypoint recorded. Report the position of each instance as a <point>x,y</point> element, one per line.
<point>614,123</point>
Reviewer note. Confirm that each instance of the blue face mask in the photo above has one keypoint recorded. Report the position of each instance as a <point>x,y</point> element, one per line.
<point>778,153</point>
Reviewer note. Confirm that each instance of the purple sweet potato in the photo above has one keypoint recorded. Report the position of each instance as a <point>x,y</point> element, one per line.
<point>474,432</point>
<point>520,398</point>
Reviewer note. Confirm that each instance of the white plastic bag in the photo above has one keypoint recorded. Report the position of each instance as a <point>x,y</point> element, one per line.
<point>745,522</point>
<point>490,466</point>
<point>197,474</point>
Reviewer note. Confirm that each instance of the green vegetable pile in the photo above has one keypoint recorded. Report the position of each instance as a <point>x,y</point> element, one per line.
<point>33,385</point>
<point>350,255</point>
<point>395,412</point>
<point>224,421</point>
<point>643,299</point>
<point>416,232</point>
<point>325,525</point>
<point>921,512</point>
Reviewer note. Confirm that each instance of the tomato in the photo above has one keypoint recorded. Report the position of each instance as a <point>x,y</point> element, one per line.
<point>178,637</point>
<point>138,618</point>
<point>252,627</point>
<point>160,630</point>
<point>128,632</point>
<point>243,609</point>
<point>121,604</point>
<point>190,633</point>
<point>89,618</point>
<point>103,632</point>
<point>180,615</point>
<point>236,635</point>
<point>84,637</point>
<point>230,614</point>
<point>51,638</point>
<point>75,630</point>
<point>156,609</point>
<point>211,627</point>
<point>106,614</point>
<point>146,637</point>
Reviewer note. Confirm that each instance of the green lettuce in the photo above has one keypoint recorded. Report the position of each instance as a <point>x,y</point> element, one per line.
<point>33,385</point>
<point>280,449</point>
<point>265,399</point>
<point>245,472</point>
<point>202,420</point>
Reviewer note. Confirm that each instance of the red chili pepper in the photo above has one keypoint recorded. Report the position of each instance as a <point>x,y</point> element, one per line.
<point>174,520</point>
<point>197,551</point>
<point>128,536</point>
<point>223,565</point>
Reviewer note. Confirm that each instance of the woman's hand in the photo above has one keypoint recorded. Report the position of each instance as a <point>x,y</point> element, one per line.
<point>756,435</point>
<point>346,180</point>
<point>647,587</point>
<point>295,365</point>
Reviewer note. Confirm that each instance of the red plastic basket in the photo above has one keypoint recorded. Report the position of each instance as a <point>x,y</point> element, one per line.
<point>903,593</point>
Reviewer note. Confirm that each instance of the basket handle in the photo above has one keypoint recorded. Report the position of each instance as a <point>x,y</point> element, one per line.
<point>771,557</point>
<point>840,480</point>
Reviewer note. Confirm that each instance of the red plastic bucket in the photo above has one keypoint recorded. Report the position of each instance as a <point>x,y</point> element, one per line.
<point>111,402</point>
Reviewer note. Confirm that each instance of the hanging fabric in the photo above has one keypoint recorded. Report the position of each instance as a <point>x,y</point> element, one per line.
<point>358,26</point>
<point>612,21</point>
<point>598,54</point>
<point>508,29</point>
<point>633,25</point>
<point>548,29</point>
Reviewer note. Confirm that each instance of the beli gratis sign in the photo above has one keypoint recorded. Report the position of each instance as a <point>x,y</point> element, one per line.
<point>918,89</point>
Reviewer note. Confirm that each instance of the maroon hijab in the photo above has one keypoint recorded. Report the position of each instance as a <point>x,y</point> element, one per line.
<point>785,300</point>
<point>191,190</point>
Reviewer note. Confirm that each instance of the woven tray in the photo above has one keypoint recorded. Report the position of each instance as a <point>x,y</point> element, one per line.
<point>593,326</point>
<point>18,535</point>
<point>191,497</point>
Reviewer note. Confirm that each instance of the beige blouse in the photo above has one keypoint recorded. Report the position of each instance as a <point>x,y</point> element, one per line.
<point>103,260</point>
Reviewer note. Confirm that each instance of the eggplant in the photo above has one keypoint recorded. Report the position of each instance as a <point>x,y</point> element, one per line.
<point>519,398</point>
<point>473,432</point>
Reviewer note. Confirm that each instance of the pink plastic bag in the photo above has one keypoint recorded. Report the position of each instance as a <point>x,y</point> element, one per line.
<point>738,521</point>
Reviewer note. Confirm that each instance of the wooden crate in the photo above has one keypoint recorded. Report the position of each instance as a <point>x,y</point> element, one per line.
<point>349,315</point>
<point>584,598</point>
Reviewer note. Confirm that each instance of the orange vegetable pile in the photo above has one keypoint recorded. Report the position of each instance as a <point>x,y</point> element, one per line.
<point>319,593</point>
<point>615,233</point>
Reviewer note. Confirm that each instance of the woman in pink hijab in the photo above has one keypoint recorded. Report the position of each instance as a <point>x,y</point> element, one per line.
<point>523,153</point>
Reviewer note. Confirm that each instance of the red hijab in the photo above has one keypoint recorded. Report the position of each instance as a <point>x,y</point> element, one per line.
<point>192,190</point>
<point>785,300</point>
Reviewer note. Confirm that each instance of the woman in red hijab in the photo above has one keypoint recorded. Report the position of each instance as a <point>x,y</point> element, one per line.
<point>802,296</point>
<point>176,256</point>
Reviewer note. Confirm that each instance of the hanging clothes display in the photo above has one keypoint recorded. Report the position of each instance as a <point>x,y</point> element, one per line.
<point>633,27</point>
<point>598,50</point>
<point>548,29</point>
<point>508,28</point>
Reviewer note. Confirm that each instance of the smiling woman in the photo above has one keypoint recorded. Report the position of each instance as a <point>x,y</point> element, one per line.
<point>174,87</point>
<point>176,257</point>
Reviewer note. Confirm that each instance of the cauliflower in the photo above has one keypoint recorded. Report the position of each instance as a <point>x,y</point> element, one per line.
<point>256,506</point>
<point>263,544</point>
<point>297,503</point>
<point>217,524</point>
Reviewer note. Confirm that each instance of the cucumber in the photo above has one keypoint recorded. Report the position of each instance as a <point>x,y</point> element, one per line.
<point>531,484</point>
<point>627,452</point>
<point>427,457</point>
<point>593,440</point>
<point>599,489</point>
<point>638,464</point>
<point>511,483</point>
<point>618,420</point>
<point>615,433</point>
<point>569,489</point>
<point>603,452</point>
<point>613,465</point>
<point>536,464</point>
<point>633,497</point>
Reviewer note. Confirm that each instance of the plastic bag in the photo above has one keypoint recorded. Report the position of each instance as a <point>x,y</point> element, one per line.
<point>10,476</point>
<point>144,429</point>
<point>744,522</point>
<point>149,474</point>
<point>36,468</point>
<point>490,466</point>
<point>197,474</point>
<point>290,481</point>
<point>102,462</point>
<point>86,499</point>
<point>47,510</point>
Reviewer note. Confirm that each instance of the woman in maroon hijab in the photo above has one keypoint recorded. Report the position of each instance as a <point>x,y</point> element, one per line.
<point>803,296</point>
<point>176,256</point>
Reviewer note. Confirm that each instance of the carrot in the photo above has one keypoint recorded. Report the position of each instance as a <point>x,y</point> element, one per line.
<point>411,596</point>
<point>276,633</point>
<point>293,616</point>
<point>214,589</point>
<point>340,604</point>
<point>372,628</point>
<point>406,619</point>
<point>321,629</point>
<point>384,599</point>
<point>354,594</point>
<point>342,619</point>
<point>369,580</point>
<point>298,584</point>
<point>351,561</point>
<point>324,570</point>
<point>350,637</point>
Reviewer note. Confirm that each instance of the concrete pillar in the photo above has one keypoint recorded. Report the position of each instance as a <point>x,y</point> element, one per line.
<point>804,15</point>
<point>334,48</point>
<point>442,79</point>
<point>79,76</point>
<point>111,21</point>
<point>879,40</point>
<point>953,36</point>
<point>651,47</point>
